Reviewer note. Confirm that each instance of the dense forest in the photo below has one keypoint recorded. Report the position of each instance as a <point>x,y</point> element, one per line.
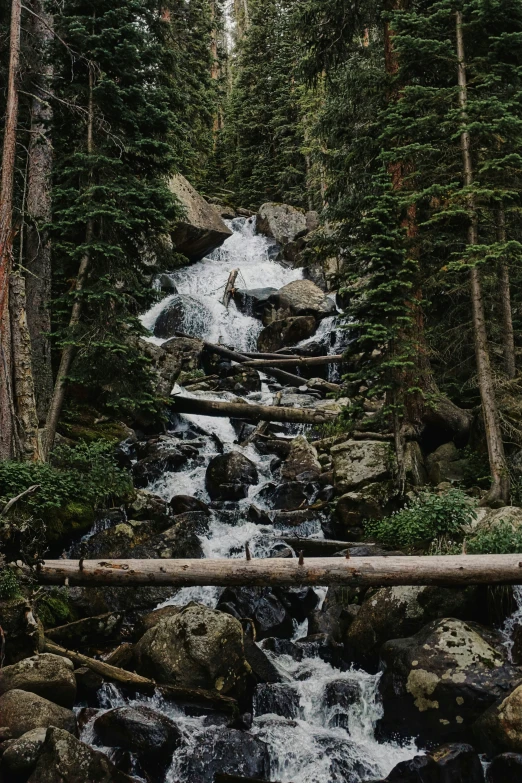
<point>260,298</point>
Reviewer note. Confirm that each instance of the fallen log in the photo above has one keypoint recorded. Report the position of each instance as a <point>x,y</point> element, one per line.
<point>358,571</point>
<point>251,412</point>
<point>281,355</point>
<point>142,684</point>
<point>229,288</point>
<point>319,546</point>
<point>299,361</point>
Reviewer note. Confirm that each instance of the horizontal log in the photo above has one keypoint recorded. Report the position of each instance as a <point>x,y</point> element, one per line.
<point>250,412</point>
<point>280,355</point>
<point>320,546</point>
<point>300,361</point>
<point>357,571</point>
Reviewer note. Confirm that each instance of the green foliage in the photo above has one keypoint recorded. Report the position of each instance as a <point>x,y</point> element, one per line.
<point>54,608</point>
<point>427,517</point>
<point>502,539</point>
<point>9,585</point>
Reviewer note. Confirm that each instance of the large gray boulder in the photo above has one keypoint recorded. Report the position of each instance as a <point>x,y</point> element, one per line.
<point>281,221</point>
<point>302,297</point>
<point>197,648</point>
<point>20,755</point>
<point>65,759</point>
<point>436,683</point>
<point>181,354</point>
<point>47,675</point>
<point>140,730</point>
<point>182,313</point>
<point>201,229</point>
<point>229,475</point>
<point>356,463</point>
<point>302,463</point>
<point>21,711</point>
<point>254,301</point>
<point>284,332</point>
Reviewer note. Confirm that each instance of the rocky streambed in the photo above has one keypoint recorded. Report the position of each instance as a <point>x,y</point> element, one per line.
<point>296,684</point>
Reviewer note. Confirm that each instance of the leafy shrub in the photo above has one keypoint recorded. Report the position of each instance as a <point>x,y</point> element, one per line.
<point>501,539</point>
<point>427,517</point>
<point>9,586</point>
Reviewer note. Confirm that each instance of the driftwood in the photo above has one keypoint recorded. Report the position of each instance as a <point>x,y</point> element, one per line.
<point>262,426</point>
<point>358,571</point>
<point>229,288</point>
<point>142,684</point>
<point>300,361</point>
<point>250,412</point>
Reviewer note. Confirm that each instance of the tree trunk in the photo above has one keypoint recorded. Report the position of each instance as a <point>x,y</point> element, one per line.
<point>508,338</point>
<point>56,404</point>
<point>8,436</point>
<point>38,210</point>
<point>446,570</point>
<point>499,491</point>
<point>244,410</point>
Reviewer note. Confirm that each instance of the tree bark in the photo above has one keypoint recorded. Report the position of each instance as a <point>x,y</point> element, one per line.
<point>508,337</point>
<point>8,436</point>
<point>38,210</point>
<point>242,410</point>
<point>358,571</point>
<point>56,404</point>
<point>300,361</point>
<point>499,491</point>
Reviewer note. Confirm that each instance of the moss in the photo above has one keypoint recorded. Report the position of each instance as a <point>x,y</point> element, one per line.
<point>54,608</point>
<point>74,517</point>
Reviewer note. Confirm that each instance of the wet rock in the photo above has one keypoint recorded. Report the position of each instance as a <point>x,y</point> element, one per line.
<point>339,696</point>
<point>339,609</point>
<point>197,648</point>
<point>151,735</point>
<point>201,229</point>
<point>300,601</point>
<point>223,750</point>
<point>458,763</point>
<point>279,699</point>
<point>260,604</point>
<point>20,755</point>
<point>180,540</point>
<point>421,769</point>
<point>292,495</point>
<point>436,683</point>
<point>302,297</point>
<point>357,463</point>
<point>254,301</point>
<point>229,475</point>
<point>182,313</point>
<point>166,283</point>
<point>179,504</point>
<point>262,667</point>
<point>147,505</point>
<point>506,768</point>
<point>88,683</point>
<point>21,711</point>
<point>281,221</point>
<point>302,463</point>
<point>285,332</point>
<point>160,455</point>
<point>50,676</point>
<point>500,727</point>
<point>446,464</point>
<point>75,762</point>
<point>393,612</point>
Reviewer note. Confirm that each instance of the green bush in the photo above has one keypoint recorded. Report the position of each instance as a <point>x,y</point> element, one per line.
<point>499,540</point>
<point>427,517</point>
<point>9,585</point>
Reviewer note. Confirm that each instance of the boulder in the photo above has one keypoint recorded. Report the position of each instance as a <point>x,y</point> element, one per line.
<point>338,611</point>
<point>300,601</point>
<point>292,495</point>
<point>260,604</point>
<point>240,380</point>
<point>393,612</point>
<point>74,762</point>
<point>166,284</point>
<point>446,464</point>
<point>182,313</point>
<point>229,475</point>
<point>506,768</point>
<point>302,297</point>
<point>197,648</point>
<point>356,463</point>
<point>147,505</point>
<point>500,727</point>
<point>452,763</point>
<point>141,730</point>
<point>281,221</point>
<point>21,711</point>
<point>436,683</point>
<point>510,515</point>
<point>169,360</point>
<point>159,455</point>
<point>20,755</point>
<point>339,696</point>
<point>254,301</point>
<point>50,676</point>
<point>201,229</point>
<point>222,750</point>
<point>179,504</point>
<point>302,463</point>
<point>372,501</point>
<point>277,699</point>
<point>285,332</point>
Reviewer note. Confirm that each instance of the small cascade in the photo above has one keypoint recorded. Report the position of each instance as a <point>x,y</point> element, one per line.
<point>513,623</point>
<point>328,736</point>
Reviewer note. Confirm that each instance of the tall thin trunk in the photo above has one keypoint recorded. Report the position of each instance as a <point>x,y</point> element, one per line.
<point>499,491</point>
<point>37,242</point>
<point>508,338</point>
<point>68,352</point>
<point>8,437</point>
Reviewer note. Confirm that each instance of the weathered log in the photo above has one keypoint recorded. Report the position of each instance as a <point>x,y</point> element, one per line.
<point>250,412</point>
<point>280,355</point>
<point>360,571</point>
<point>229,288</point>
<point>142,684</point>
<point>300,361</point>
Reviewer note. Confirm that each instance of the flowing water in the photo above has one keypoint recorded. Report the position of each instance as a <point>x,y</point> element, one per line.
<point>322,741</point>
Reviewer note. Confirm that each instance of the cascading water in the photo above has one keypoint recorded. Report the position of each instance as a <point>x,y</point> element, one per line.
<point>322,740</point>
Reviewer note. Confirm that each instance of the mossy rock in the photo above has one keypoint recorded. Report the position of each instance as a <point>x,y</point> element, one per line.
<point>55,608</point>
<point>74,517</point>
